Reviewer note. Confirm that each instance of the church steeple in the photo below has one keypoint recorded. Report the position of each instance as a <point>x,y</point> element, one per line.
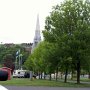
<point>37,37</point>
<point>37,24</point>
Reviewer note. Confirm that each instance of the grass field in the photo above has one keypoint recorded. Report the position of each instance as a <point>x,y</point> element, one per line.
<point>35,82</point>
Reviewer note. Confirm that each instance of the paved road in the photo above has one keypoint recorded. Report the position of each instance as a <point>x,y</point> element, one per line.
<point>42,88</point>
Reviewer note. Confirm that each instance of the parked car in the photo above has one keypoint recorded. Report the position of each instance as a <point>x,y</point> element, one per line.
<point>19,73</point>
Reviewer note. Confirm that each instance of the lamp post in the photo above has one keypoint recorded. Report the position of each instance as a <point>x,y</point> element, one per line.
<point>16,63</point>
<point>18,59</point>
<point>21,60</point>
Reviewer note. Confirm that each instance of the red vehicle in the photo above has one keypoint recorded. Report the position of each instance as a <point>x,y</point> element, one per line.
<point>5,73</point>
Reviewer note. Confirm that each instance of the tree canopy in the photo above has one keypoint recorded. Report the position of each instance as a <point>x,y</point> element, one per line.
<point>68,25</point>
<point>66,45</point>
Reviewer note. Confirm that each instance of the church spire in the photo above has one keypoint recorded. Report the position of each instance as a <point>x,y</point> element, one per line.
<point>37,37</point>
<point>37,24</point>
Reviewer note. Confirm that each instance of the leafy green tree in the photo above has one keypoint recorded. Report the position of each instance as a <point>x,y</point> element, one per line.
<point>36,61</point>
<point>69,26</point>
<point>43,58</point>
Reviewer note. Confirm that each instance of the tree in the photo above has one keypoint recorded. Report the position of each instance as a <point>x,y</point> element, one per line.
<point>10,52</point>
<point>44,58</point>
<point>8,62</point>
<point>36,62</point>
<point>69,26</point>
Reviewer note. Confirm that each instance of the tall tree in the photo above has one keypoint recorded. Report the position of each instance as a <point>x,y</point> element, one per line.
<point>69,26</point>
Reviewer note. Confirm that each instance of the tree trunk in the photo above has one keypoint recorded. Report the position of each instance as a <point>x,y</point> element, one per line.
<point>66,73</point>
<point>89,75</point>
<point>61,75</point>
<point>72,75</point>
<point>44,75</point>
<point>41,75</point>
<point>56,74</point>
<point>50,77</point>
<point>78,72</point>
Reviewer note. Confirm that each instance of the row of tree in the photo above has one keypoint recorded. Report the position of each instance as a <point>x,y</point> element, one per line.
<point>66,45</point>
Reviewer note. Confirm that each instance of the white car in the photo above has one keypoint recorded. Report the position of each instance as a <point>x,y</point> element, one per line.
<point>19,73</point>
<point>3,88</point>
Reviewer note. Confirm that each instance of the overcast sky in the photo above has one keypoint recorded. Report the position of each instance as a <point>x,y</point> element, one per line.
<point>18,19</point>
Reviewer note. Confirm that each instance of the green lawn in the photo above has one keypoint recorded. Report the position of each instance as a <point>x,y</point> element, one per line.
<point>35,82</point>
<point>85,79</point>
